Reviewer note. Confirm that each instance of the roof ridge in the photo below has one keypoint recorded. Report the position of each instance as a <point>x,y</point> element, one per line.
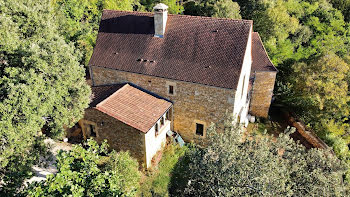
<point>180,15</point>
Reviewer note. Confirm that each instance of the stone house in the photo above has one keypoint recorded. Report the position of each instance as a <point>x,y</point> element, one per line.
<point>198,69</point>
<point>130,118</point>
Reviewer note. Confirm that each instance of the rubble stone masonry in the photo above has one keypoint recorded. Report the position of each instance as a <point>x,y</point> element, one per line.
<point>120,136</point>
<point>193,103</point>
<point>262,93</point>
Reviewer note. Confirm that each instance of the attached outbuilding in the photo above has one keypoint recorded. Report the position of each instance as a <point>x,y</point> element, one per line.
<point>129,118</point>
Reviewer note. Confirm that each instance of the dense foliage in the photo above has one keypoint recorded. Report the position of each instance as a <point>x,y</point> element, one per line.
<point>343,6</point>
<point>84,171</point>
<point>214,8</point>
<point>320,87</point>
<point>233,164</point>
<point>79,19</point>
<point>309,42</point>
<point>42,85</point>
<point>43,45</point>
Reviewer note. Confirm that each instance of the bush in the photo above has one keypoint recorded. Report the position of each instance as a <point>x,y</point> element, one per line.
<point>85,172</point>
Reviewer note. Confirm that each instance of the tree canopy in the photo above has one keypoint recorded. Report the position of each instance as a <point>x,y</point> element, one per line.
<point>44,45</point>
<point>343,6</point>
<point>308,41</point>
<point>214,8</point>
<point>41,84</point>
<point>296,30</point>
<point>233,164</point>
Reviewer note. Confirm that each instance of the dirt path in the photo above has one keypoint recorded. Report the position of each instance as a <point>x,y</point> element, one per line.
<point>42,172</point>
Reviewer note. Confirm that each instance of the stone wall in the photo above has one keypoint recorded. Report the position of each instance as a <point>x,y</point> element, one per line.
<point>120,136</point>
<point>262,93</point>
<point>193,103</point>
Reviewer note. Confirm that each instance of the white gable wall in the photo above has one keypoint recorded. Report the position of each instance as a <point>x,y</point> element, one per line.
<point>241,104</point>
<point>154,143</point>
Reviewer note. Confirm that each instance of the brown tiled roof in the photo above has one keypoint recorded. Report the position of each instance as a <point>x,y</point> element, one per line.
<point>196,49</point>
<point>133,107</point>
<point>261,61</point>
<point>100,93</point>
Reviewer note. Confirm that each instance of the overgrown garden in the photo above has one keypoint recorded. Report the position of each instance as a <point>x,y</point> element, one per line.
<point>45,47</point>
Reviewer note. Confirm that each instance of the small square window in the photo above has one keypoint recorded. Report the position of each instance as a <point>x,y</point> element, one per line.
<point>199,129</point>
<point>171,89</point>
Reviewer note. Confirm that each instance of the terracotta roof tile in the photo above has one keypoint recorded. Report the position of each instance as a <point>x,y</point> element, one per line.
<point>100,93</point>
<point>133,106</point>
<point>261,61</point>
<point>201,50</point>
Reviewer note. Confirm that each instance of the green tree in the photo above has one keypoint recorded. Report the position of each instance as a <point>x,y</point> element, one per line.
<point>320,87</point>
<point>214,8</point>
<point>85,172</point>
<point>294,30</point>
<point>344,6</point>
<point>319,95</point>
<point>41,84</point>
<point>175,7</point>
<point>233,164</point>
<point>79,21</point>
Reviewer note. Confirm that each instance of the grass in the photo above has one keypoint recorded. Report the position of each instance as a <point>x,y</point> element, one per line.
<point>156,181</point>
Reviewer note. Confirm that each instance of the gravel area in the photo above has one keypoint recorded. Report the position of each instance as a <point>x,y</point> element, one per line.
<point>41,172</point>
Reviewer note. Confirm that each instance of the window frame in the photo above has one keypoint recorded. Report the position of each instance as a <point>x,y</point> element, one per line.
<point>171,90</point>
<point>169,85</point>
<point>156,129</point>
<point>202,129</point>
<point>162,121</point>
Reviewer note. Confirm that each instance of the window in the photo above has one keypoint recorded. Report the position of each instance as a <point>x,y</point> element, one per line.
<point>171,89</point>
<point>199,129</point>
<point>167,115</point>
<point>162,121</point>
<point>92,131</point>
<point>156,129</point>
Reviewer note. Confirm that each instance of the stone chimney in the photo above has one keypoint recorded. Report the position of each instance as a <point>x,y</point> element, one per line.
<point>160,18</point>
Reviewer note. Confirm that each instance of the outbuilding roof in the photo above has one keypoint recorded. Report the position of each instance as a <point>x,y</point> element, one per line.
<point>130,105</point>
<point>202,50</point>
<point>261,61</point>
